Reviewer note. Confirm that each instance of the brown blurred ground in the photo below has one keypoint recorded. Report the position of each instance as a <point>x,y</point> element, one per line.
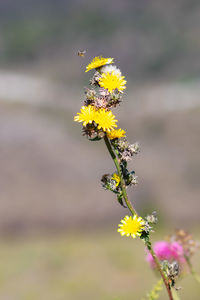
<point>98,265</point>
<point>50,174</point>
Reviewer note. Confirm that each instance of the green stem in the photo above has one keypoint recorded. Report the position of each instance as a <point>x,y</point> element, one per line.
<point>122,183</point>
<point>133,211</point>
<point>158,266</point>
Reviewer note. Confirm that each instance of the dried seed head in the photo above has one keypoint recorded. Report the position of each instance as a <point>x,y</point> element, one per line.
<point>116,96</point>
<point>153,219</point>
<point>126,155</point>
<point>101,102</point>
<point>173,271</point>
<point>90,94</point>
<point>122,144</point>
<point>110,182</point>
<point>103,92</point>
<point>126,150</point>
<point>95,79</point>
<point>134,148</point>
<point>185,239</point>
<point>133,179</point>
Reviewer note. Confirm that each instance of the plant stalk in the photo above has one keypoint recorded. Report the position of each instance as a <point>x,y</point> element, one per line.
<point>133,211</point>
<point>122,183</point>
<point>161,272</point>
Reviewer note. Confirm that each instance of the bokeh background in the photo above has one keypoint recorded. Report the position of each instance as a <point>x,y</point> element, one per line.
<point>57,225</point>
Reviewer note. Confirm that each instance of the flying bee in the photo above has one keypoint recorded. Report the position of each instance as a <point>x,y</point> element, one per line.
<point>81,53</point>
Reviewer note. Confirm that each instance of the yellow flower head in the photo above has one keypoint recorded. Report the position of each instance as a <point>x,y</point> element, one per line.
<point>112,81</point>
<point>116,178</point>
<point>131,226</point>
<point>99,61</point>
<point>86,115</point>
<point>116,134</point>
<point>105,120</point>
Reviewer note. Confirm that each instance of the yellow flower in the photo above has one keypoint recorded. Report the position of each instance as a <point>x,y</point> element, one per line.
<point>105,120</point>
<point>131,226</point>
<point>98,62</point>
<point>116,178</point>
<point>86,115</point>
<point>116,134</point>
<point>112,81</point>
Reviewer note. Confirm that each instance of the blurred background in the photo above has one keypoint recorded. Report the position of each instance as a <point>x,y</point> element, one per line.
<point>57,224</point>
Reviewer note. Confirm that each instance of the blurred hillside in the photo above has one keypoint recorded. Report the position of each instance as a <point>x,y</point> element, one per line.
<point>50,174</point>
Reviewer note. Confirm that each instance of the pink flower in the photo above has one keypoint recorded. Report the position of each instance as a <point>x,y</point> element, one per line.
<point>167,251</point>
<point>177,252</point>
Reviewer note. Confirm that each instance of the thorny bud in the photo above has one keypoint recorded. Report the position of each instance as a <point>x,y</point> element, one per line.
<point>129,177</point>
<point>109,183</point>
<point>173,272</point>
<point>150,219</point>
<point>147,228</point>
<point>132,179</point>
<point>115,96</point>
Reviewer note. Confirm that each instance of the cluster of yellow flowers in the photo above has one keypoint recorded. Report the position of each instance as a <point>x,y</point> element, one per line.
<point>105,119</point>
<point>107,86</point>
<point>96,117</point>
<point>110,80</point>
<point>99,62</point>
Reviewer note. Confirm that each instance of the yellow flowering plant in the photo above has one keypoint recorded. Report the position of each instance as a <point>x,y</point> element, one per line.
<point>99,123</point>
<point>116,134</point>
<point>131,226</point>
<point>112,81</point>
<point>98,62</point>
